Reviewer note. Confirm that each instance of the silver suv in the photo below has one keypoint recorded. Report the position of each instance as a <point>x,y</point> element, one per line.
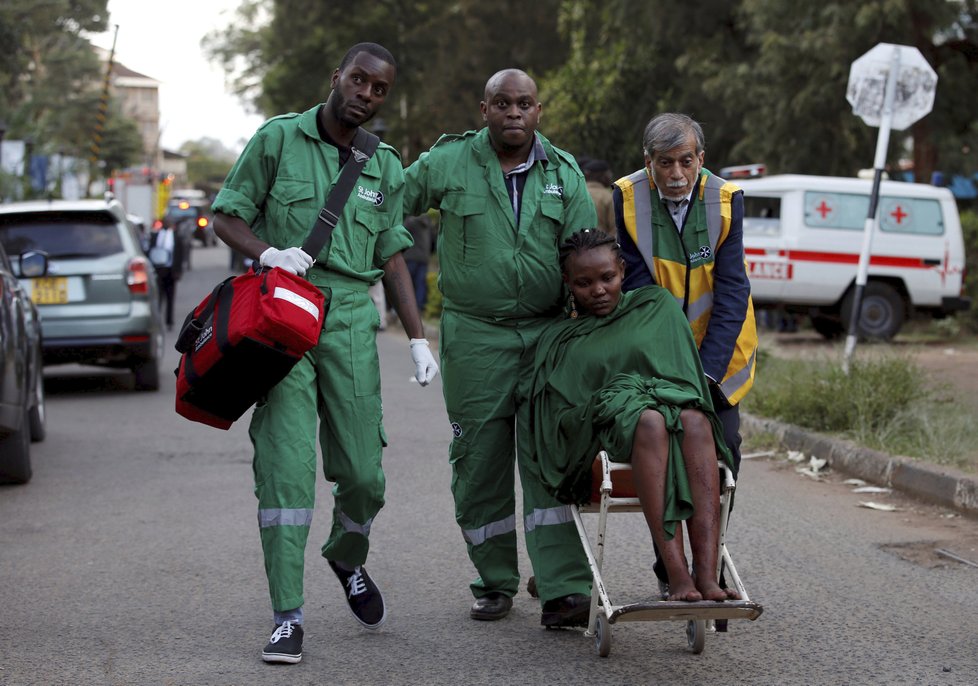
<point>98,301</point>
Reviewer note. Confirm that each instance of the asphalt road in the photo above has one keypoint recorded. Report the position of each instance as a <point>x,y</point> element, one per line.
<point>133,557</point>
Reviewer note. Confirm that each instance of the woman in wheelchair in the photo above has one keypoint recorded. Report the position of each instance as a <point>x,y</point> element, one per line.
<point>622,373</point>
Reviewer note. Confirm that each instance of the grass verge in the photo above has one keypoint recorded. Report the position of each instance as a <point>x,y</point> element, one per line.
<point>885,403</point>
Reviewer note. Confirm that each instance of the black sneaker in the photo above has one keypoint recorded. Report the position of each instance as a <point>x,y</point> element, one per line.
<point>364,598</point>
<point>285,645</point>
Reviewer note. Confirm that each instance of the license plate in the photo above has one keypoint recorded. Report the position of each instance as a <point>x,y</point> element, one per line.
<point>50,290</point>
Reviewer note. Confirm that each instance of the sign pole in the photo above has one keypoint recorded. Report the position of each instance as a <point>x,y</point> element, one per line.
<point>882,143</point>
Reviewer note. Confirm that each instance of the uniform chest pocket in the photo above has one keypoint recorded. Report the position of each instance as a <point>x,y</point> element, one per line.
<point>463,228</point>
<point>552,208</point>
<point>362,239</point>
<point>292,203</point>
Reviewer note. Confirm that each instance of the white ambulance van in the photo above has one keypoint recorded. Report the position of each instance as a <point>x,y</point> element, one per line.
<point>803,236</point>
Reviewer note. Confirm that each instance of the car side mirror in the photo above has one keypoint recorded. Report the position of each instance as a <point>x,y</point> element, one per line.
<point>33,264</point>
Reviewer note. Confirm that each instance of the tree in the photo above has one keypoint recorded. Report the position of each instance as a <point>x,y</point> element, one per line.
<point>50,80</point>
<point>767,78</point>
<point>208,163</point>
<point>629,61</point>
<point>445,54</point>
<point>799,119</point>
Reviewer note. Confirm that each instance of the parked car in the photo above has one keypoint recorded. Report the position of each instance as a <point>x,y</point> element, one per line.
<point>98,301</point>
<point>22,414</point>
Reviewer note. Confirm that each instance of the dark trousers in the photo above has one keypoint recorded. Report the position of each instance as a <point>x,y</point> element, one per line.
<point>168,286</point>
<point>419,277</point>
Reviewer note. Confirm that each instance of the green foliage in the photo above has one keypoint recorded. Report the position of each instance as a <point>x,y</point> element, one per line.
<point>43,46</point>
<point>884,403</point>
<point>283,61</point>
<point>798,79</point>
<point>766,77</point>
<point>629,61</point>
<point>122,145</point>
<point>969,227</point>
<point>51,81</point>
<point>432,308</point>
<point>208,163</point>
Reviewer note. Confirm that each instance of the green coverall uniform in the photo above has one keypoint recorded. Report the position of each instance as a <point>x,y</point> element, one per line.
<point>278,185</point>
<point>501,284</point>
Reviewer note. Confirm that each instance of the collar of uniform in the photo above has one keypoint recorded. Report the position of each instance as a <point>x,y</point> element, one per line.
<point>308,126</point>
<point>484,150</point>
<point>307,122</point>
<point>536,153</point>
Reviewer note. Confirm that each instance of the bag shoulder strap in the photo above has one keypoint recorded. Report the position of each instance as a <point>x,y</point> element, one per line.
<point>363,147</point>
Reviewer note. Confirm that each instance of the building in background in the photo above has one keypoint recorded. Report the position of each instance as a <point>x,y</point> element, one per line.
<point>139,98</point>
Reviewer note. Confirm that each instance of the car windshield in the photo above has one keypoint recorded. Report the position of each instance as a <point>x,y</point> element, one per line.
<point>62,236</point>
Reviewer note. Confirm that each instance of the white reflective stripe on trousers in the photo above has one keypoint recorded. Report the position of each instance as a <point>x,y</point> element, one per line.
<point>481,534</point>
<point>550,516</point>
<point>352,527</point>
<point>284,517</point>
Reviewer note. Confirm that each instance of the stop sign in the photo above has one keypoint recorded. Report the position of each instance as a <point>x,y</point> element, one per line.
<point>916,83</point>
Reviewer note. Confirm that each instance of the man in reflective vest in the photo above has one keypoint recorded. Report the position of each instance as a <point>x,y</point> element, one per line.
<point>681,227</point>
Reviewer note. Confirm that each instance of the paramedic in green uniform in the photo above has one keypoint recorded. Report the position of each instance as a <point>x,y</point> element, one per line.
<point>623,374</point>
<point>265,210</point>
<point>507,199</point>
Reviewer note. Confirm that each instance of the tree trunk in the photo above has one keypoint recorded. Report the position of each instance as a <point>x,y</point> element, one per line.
<point>924,152</point>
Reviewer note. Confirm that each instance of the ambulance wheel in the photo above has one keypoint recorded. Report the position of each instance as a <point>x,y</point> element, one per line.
<point>602,636</point>
<point>882,312</point>
<point>696,635</point>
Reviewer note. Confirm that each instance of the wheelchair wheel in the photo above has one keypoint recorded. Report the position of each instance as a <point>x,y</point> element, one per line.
<point>696,635</point>
<point>602,636</point>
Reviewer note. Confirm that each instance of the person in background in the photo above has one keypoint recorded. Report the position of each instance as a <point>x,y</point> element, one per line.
<point>507,196</point>
<point>166,252</point>
<point>266,209</point>
<point>419,255</point>
<point>599,179</point>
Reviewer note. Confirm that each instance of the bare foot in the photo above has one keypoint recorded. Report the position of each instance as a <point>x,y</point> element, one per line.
<point>711,590</point>
<point>685,590</point>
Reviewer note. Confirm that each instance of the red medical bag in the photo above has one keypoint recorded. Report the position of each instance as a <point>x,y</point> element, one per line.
<point>241,340</point>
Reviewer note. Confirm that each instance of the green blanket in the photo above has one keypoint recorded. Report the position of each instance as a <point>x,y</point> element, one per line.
<point>594,377</point>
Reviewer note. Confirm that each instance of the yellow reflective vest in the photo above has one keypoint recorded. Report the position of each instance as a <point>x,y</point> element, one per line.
<point>702,265</point>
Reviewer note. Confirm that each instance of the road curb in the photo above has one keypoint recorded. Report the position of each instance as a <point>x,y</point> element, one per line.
<point>941,485</point>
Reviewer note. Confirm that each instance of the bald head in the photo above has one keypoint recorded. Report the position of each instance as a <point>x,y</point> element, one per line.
<point>518,76</point>
<point>511,112</point>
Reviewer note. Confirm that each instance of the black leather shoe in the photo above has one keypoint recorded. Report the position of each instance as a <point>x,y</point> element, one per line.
<point>491,606</point>
<point>571,610</point>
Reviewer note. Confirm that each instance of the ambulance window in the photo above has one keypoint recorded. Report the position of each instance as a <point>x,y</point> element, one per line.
<point>836,210</point>
<point>911,215</point>
<point>762,215</point>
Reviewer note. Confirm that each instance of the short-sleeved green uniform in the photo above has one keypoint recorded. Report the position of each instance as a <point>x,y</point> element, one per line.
<point>500,281</point>
<point>278,185</point>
